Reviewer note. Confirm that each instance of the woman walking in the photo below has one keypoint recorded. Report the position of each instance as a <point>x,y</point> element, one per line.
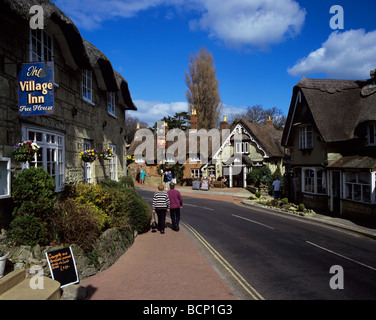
<point>161,205</point>
<point>176,202</point>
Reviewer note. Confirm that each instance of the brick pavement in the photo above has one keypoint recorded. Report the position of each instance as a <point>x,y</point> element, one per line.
<point>159,267</point>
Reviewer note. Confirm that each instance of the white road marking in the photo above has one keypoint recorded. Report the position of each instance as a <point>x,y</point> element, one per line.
<point>340,255</point>
<point>234,215</point>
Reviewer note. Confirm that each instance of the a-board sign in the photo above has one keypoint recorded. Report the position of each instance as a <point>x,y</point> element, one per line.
<point>63,266</point>
<point>196,185</point>
<point>205,184</point>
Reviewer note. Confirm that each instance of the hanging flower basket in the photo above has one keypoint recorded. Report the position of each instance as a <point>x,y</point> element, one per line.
<point>130,159</point>
<point>107,154</point>
<point>25,151</point>
<point>88,155</point>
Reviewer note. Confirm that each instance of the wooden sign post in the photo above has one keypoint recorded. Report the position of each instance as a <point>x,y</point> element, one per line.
<point>63,266</point>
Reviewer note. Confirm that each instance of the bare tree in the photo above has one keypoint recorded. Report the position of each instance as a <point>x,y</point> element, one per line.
<point>202,89</point>
<point>256,114</point>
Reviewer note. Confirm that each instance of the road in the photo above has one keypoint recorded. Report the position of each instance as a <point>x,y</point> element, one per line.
<point>266,255</point>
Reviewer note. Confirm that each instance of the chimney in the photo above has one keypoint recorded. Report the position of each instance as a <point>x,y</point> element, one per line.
<point>223,124</point>
<point>193,120</point>
<point>165,128</point>
<point>269,122</point>
<point>373,74</point>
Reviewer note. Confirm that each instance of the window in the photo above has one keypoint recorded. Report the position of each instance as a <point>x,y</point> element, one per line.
<point>305,138</point>
<point>314,180</point>
<point>241,147</point>
<point>41,46</point>
<point>196,173</point>
<point>87,165</point>
<point>87,81</point>
<point>50,156</point>
<point>111,103</point>
<point>113,166</point>
<point>358,187</point>
<point>371,135</point>
<point>4,178</point>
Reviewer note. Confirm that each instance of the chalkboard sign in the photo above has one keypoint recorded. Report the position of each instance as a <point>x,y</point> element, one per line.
<point>196,185</point>
<point>62,266</point>
<point>205,184</point>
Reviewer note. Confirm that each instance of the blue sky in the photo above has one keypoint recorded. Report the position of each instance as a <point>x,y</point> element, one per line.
<point>261,48</point>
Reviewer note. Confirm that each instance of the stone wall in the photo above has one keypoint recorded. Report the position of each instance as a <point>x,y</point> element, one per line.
<point>109,247</point>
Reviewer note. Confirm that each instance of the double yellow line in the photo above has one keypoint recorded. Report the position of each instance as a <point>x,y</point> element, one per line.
<point>236,275</point>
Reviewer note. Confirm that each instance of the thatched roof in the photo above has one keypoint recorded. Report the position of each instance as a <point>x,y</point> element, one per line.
<point>267,137</point>
<point>85,55</point>
<point>335,107</point>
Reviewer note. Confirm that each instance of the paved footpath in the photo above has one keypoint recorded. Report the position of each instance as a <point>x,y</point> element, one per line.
<point>159,267</point>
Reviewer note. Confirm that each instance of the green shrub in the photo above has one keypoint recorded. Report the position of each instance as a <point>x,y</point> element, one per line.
<point>140,213</point>
<point>28,230</point>
<point>33,192</point>
<point>284,201</point>
<point>301,207</point>
<point>126,181</point>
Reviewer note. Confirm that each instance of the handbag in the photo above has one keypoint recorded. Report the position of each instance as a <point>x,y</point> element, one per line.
<point>154,225</point>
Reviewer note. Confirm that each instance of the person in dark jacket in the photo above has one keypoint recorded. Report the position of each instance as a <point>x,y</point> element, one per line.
<point>176,203</point>
<point>161,205</point>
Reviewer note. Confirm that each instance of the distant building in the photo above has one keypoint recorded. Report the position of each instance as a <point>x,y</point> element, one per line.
<point>331,134</point>
<point>90,100</point>
<point>227,152</point>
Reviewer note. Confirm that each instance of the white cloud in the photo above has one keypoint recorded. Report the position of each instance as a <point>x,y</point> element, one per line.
<point>152,111</point>
<point>345,55</point>
<point>238,23</point>
<point>257,23</point>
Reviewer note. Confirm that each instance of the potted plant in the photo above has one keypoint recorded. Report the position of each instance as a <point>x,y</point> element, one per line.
<point>88,155</point>
<point>3,260</point>
<point>107,154</point>
<point>25,151</point>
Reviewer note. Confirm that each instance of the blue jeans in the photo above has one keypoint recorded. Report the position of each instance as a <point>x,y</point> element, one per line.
<point>276,194</point>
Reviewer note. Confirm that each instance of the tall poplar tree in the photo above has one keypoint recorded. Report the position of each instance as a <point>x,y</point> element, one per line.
<point>202,89</point>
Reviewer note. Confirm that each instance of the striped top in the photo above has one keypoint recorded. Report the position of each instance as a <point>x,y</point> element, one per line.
<point>161,200</point>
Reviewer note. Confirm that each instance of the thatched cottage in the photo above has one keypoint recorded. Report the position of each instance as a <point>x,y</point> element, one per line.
<point>330,132</point>
<point>89,99</point>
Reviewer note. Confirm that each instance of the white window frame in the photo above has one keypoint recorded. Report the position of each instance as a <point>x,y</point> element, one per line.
<point>242,147</point>
<point>88,169</point>
<point>371,134</point>
<point>306,137</point>
<point>111,103</point>
<point>113,164</point>
<point>314,180</point>
<point>45,42</point>
<point>351,186</point>
<point>51,155</point>
<point>7,184</point>
<point>196,173</point>
<point>87,85</point>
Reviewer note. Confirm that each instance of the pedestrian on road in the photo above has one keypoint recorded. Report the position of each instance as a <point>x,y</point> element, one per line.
<point>143,174</point>
<point>276,187</point>
<point>161,205</point>
<point>176,203</point>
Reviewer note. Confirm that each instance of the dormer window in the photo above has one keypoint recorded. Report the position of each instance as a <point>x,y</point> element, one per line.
<point>371,135</point>
<point>305,138</point>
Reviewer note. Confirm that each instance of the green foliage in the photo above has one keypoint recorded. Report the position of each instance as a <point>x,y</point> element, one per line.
<point>284,201</point>
<point>259,175</point>
<point>33,192</point>
<point>177,170</point>
<point>301,207</point>
<point>28,230</point>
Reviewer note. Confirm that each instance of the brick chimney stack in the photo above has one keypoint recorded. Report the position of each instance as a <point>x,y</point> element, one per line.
<point>193,120</point>
<point>223,124</point>
<point>269,122</point>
